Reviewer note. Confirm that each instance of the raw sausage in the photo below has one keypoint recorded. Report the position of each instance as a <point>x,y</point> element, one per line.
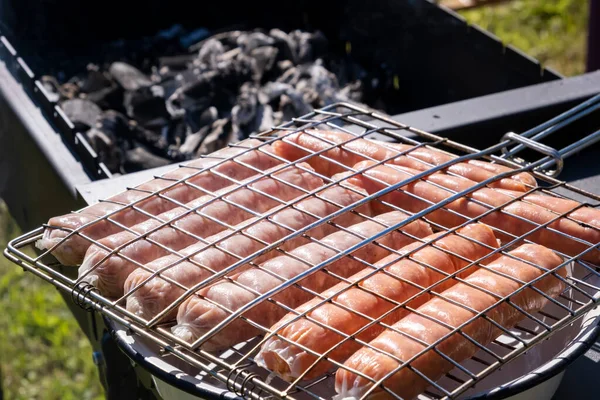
<point>157,293</point>
<point>514,217</point>
<point>110,271</point>
<point>200,315</point>
<point>401,280</point>
<point>424,327</point>
<point>356,150</point>
<point>72,250</point>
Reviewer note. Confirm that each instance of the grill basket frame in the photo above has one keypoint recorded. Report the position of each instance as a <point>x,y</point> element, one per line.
<point>87,297</point>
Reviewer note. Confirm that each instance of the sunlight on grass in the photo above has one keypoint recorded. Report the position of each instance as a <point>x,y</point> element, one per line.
<point>554,32</point>
<point>43,353</point>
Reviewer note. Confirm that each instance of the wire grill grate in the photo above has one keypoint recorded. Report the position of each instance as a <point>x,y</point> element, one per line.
<point>236,368</point>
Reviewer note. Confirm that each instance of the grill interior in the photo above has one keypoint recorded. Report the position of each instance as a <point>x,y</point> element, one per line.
<point>236,368</point>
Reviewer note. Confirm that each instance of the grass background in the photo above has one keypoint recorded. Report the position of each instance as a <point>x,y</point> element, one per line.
<point>43,355</point>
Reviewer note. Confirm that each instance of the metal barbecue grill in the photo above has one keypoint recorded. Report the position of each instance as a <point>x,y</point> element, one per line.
<point>235,373</point>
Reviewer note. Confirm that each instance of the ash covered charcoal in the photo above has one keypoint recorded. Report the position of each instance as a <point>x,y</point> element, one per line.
<point>164,103</point>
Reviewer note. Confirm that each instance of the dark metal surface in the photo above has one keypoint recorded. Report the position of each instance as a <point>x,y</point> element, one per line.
<point>32,151</point>
<point>20,77</point>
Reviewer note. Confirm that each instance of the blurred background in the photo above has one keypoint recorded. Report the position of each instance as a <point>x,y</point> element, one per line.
<point>43,355</point>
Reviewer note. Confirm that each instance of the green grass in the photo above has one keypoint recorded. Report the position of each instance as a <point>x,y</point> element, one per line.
<point>43,354</point>
<point>553,31</point>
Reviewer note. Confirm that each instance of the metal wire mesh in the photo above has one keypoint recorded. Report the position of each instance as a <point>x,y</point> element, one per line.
<point>237,368</point>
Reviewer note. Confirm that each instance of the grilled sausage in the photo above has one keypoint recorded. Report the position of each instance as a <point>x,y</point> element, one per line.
<point>424,326</point>
<point>199,315</point>
<point>372,297</point>
<point>72,250</point>
<point>110,271</point>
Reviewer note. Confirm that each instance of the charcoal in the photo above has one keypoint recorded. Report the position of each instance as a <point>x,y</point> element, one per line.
<point>83,113</point>
<point>303,46</point>
<point>129,77</point>
<point>264,118</point>
<point>177,133</point>
<point>52,88</point>
<point>325,84</point>
<point>115,124</point>
<point>157,125</point>
<point>285,44</point>
<point>155,103</point>
<point>284,65</point>
<point>140,158</point>
<point>104,143</point>
<point>351,92</point>
<point>69,90</point>
<point>110,97</point>
<point>143,106</point>
<point>198,118</point>
<point>210,52</point>
<point>176,63</point>
<point>192,141</point>
<point>96,80</point>
<point>229,39</point>
<point>251,41</point>
<point>219,135</point>
<point>245,109</point>
<point>152,139</point>
<point>278,118</point>
<point>264,58</point>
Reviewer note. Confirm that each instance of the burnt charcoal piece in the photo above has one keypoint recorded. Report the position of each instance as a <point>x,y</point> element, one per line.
<point>198,118</point>
<point>110,97</point>
<point>139,158</point>
<point>264,59</point>
<point>176,63</point>
<point>229,39</point>
<point>129,77</point>
<point>264,119</point>
<point>309,46</point>
<point>251,41</point>
<point>95,80</point>
<point>177,133</point>
<point>83,113</point>
<point>192,141</point>
<point>105,144</point>
<point>52,88</point>
<point>143,106</point>
<point>166,100</point>
<point>285,44</point>
<point>155,142</point>
<point>245,109</point>
<point>210,52</point>
<point>114,122</point>
<point>220,134</point>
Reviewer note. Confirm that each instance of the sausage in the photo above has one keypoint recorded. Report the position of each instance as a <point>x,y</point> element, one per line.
<point>373,297</point>
<point>109,273</point>
<point>200,314</point>
<point>157,293</point>
<point>72,250</point>
<point>356,150</point>
<point>513,218</point>
<point>422,325</point>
